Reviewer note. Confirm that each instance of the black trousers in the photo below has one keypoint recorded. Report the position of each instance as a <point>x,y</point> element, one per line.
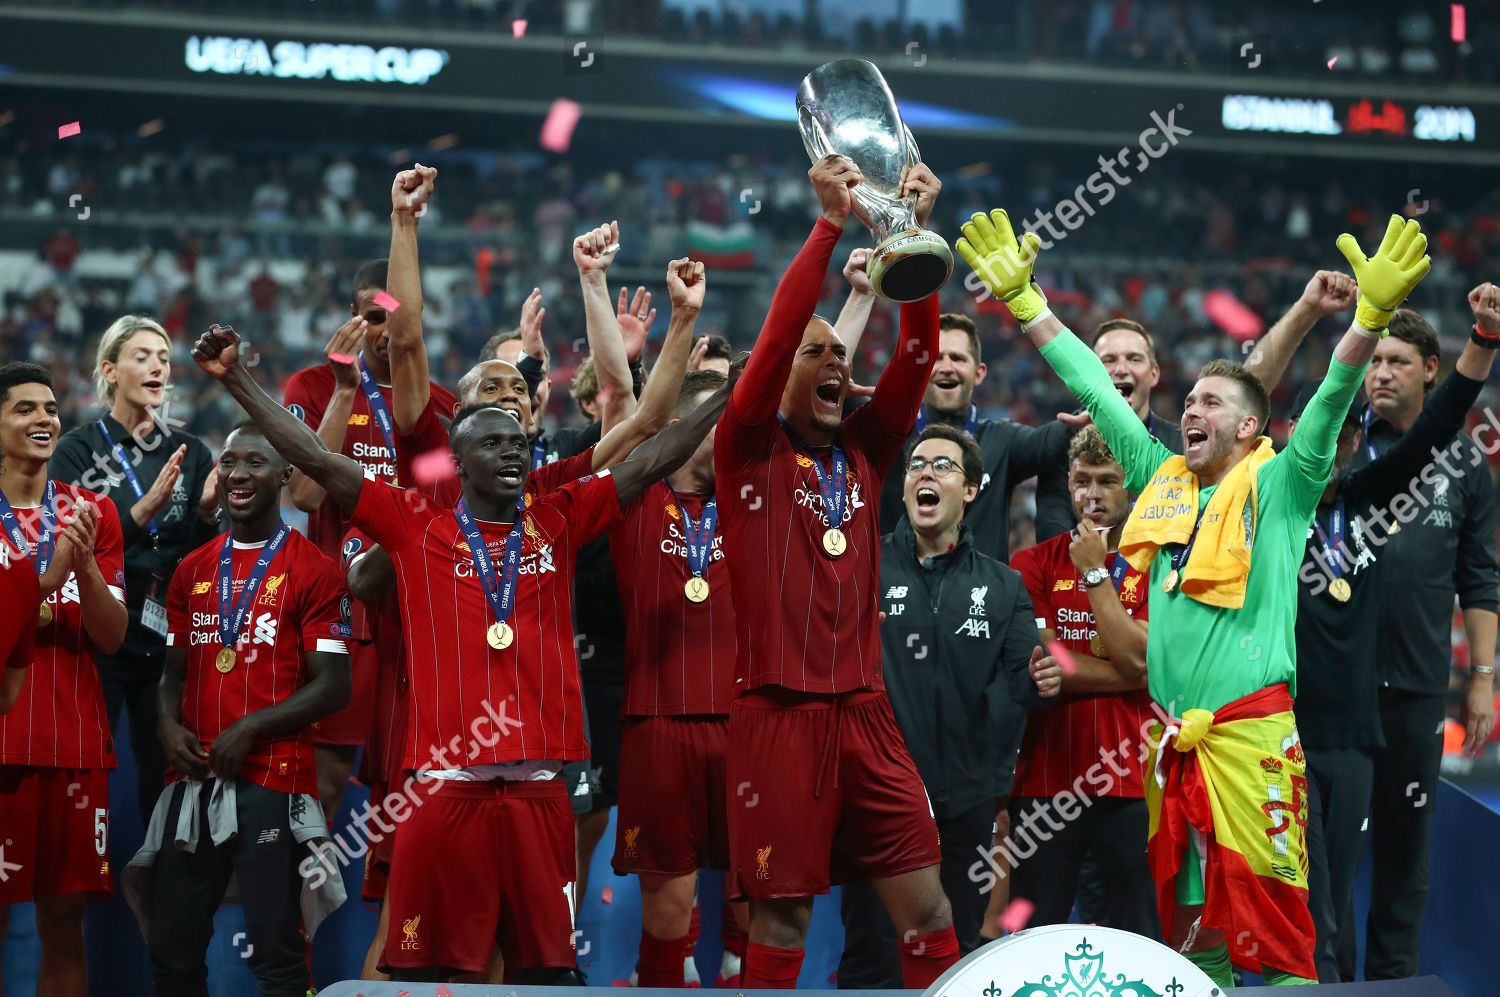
<point>1049,861</point>
<point>1401,806</point>
<point>129,679</point>
<point>1338,800</point>
<point>187,887</point>
<point>872,953</point>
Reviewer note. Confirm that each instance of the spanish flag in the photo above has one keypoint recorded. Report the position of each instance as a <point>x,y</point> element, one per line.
<point>1234,784</point>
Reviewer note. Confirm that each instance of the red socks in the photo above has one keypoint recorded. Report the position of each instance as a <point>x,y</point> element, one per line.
<point>660,963</point>
<point>768,968</point>
<point>924,959</point>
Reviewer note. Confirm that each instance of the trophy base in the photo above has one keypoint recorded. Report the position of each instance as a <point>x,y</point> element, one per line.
<point>910,265</point>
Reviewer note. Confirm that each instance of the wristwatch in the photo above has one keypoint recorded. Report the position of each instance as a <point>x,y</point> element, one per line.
<point>1095,576</point>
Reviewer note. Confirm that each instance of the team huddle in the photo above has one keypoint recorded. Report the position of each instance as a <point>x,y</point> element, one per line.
<point>769,614</point>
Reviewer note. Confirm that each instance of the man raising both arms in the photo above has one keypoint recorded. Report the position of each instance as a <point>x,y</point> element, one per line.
<point>825,790</point>
<point>484,592</point>
<point>1221,531</point>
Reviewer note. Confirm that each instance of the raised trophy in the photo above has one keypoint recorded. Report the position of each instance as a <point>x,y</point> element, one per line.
<point>845,108</point>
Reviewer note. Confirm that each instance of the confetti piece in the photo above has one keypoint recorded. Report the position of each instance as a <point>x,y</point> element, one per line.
<point>1064,657</point>
<point>613,247</point>
<point>607,895</point>
<point>433,467</point>
<point>387,302</point>
<point>1016,916</point>
<point>1332,61</point>
<point>69,130</point>
<point>1458,22</point>
<point>557,130</point>
<point>341,358</point>
<point>518,27</point>
<point>442,991</point>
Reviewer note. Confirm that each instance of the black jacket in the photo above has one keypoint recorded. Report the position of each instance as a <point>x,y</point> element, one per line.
<point>1445,547</point>
<point>955,646</point>
<point>1012,454</point>
<point>83,459</point>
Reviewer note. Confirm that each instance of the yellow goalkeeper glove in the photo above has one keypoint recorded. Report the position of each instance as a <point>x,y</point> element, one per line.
<point>1386,278</point>
<point>1004,264</point>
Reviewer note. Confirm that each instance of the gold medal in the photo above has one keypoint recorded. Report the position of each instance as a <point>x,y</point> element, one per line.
<point>1170,582</point>
<point>500,635</point>
<point>1096,646</point>
<point>43,615</point>
<point>225,660</point>
<point>1340,589</point>
<point>696,589</point>
<point>834,542</point>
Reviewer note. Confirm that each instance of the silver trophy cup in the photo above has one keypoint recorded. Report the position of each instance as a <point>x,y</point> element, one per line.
<point>845,108</point>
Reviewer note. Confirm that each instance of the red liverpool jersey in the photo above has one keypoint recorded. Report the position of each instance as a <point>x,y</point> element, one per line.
<point>472,704</point>
<point>307,394</point>
<point>1063,746</point>
<point>302,606</point>
<point>808,621</point>
<point>21,594</point>
<point>679,655</point>
<point>382,756</point>
<point>59,720</point>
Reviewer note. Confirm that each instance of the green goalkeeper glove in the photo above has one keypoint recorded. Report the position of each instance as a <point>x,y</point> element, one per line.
<point>1386,278</point>
<point>989,245</point>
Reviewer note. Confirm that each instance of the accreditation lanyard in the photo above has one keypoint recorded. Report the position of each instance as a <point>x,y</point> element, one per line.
<point>833,485</point>
<point>499,591</point>
<point>971,421</point>
<point>1364,427</point>
<point>538,452</point>
<point>232,612</point>
<point>118,452</point>
<point>45,533</point>
<point>1333,553</point>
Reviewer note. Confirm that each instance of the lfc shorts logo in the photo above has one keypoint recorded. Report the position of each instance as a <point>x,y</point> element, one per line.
<point>631,835</point>
<point>763,863</point>
<point>409,929</point>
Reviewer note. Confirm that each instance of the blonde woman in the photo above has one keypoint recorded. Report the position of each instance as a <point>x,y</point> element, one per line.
<point>161,482</point>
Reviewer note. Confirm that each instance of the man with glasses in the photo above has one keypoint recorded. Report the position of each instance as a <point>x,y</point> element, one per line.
<point>956,641</point>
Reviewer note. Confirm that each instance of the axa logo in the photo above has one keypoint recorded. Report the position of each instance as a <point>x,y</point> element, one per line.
<point>972,627</point>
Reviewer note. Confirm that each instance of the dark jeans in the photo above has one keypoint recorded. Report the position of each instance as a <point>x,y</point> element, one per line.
<point>1406,777</point>
<point>1338,800</point>
<point>1047,871</point>
<point>872,953</point>
<point>187,887</point>
<point>130,678</point>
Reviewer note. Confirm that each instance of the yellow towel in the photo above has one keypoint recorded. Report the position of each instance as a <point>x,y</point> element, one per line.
<point>1219,564</point>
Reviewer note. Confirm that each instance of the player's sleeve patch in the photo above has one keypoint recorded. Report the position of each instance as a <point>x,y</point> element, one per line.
<point>171,639</point>
<point>352,546</point>
<point>117,592</point>
<point>332,646</point>
<point>298,411</point>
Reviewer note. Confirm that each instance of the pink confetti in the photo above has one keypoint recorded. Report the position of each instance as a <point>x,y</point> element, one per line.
<point>1016,916</point>
<point>1332,61</point>
<point>1064,657</point>
<point>341,358</point>
<point>518,27</point>
<point>433,467</point>
<point>387,302</point>
<point>557,130</point>
<point>1458,22</point>
<point>69,130</point>
<point>607,895</point>
<point>443,991</point>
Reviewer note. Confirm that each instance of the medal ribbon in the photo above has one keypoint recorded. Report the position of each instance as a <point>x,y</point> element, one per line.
<point>45,543</point>
<point>378,407</point>
<point>971,421</point>
<point>833,486</point>
<point>231,613</point>
<point>1333,553</point>
<point>1180,554</point>
<point>1117,568</point>
<point>538,453</point>
<point>118,452</point>
<point>1364,426</point>
<point>500,592</point>
<point>700,535</point>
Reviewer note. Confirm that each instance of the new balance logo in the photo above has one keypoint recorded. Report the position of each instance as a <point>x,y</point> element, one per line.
<point>896,592</point>
<point>269,836</point>
<point>265,629</point>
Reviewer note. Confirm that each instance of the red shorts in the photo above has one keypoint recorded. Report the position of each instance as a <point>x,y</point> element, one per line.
<point>822,791</point>
<point>672,795</point>
<point>352,724</point>
<point>54,825</point>
<point>481,862</point>
<point>382,847</point>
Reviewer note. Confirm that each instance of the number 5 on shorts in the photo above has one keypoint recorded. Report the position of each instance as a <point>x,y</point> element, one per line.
<point>101,830</point>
